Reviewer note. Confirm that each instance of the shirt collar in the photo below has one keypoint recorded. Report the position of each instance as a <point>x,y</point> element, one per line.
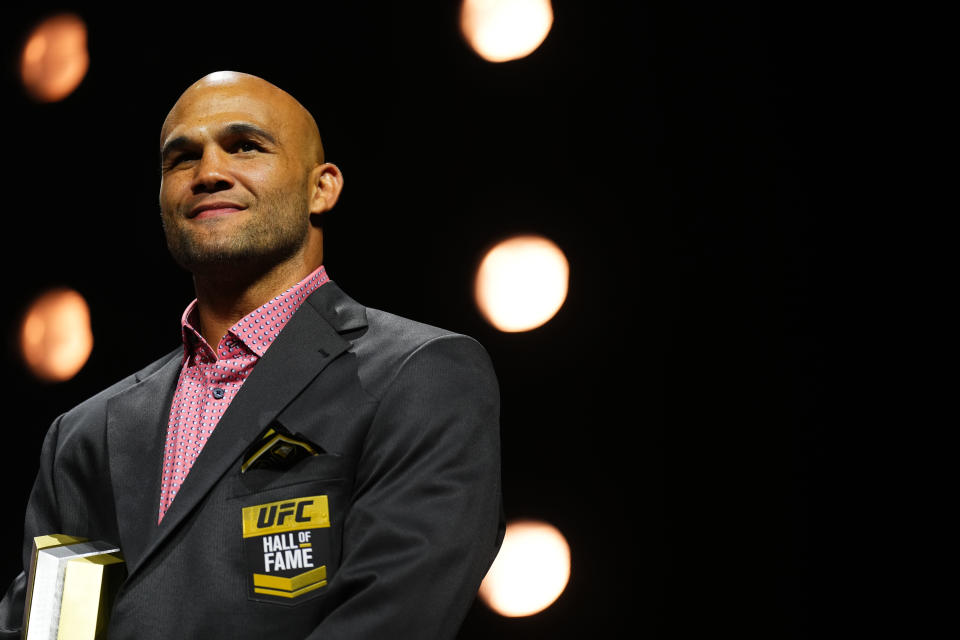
<point>257,330</point>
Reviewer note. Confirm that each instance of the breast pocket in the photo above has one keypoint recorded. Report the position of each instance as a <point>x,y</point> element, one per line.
<point>291,526</point>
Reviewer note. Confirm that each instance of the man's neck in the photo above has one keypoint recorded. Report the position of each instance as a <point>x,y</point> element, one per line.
<point>224,300</point>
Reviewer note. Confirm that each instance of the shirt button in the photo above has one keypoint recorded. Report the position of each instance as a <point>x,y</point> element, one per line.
<point>218,393</point>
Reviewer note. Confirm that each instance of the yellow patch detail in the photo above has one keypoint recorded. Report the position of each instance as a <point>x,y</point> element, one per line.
<point>289,594</point>
<point>296,585</point>
<point>311,512</point>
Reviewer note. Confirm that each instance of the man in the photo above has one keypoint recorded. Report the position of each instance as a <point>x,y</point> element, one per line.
<point>301,466</point>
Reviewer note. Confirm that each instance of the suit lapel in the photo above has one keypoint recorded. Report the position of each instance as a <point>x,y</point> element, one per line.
<point>136,432</point>
<point>305,346</point>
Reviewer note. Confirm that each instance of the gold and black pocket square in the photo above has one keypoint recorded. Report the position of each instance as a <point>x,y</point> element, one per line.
<point>277,448</point>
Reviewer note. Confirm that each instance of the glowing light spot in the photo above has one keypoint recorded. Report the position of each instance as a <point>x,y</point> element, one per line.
<point>501,30</point>
<point>530,572</point>
<point>55,58</point>
<point>522,283</point>
<point>55,337</point>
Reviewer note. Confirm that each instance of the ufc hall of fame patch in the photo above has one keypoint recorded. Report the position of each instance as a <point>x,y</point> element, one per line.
<point>284,543</point>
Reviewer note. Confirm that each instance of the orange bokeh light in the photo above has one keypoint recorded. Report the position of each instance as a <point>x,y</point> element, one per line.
<point>55,58</point>
<point>502,30</point>
<point>522,283</point>
<point>530,572</point>
<point>55,336</point>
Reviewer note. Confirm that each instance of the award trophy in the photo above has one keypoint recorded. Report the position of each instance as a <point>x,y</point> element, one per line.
<point>70,588</point>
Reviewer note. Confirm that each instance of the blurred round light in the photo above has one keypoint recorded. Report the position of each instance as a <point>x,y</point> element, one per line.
<point>55,58</point>
<point>521,283</point>
<point>55,337</point>
<point>501,30</point>
<point>530,572</point>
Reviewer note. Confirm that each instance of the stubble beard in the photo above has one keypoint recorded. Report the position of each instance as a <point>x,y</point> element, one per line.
<point>272,234</point>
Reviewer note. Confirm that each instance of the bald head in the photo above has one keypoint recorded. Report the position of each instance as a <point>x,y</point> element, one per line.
<point>232,90</point>
<point>243,179</point>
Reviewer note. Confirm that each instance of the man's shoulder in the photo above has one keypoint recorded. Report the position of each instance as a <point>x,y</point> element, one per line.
<point>393,334</point>
<point>374,331</point>
<point>392,342</point>
<point>97,403</point>
<point>404,332</point>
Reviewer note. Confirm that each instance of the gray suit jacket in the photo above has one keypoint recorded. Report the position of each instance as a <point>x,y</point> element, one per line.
<point>407,416</point>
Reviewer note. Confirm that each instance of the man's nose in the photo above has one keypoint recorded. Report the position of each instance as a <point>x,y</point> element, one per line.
<point>211,172</point>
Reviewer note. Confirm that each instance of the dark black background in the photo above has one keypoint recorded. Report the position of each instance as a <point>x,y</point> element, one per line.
<point>674,420</point>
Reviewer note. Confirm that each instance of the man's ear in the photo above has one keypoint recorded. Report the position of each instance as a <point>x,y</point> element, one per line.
<point>326,182</point>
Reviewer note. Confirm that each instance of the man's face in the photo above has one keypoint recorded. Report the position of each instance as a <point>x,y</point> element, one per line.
<point>234,191</point>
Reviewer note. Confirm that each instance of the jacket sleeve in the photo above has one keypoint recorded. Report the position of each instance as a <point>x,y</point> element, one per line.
<point>41,519</point>
<point>426,519</point>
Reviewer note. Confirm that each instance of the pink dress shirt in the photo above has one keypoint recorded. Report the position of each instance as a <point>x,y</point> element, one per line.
<point>209,380</point>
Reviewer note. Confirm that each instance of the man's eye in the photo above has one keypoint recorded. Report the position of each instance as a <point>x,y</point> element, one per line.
<point>247,145</point>
<point>180,158</point>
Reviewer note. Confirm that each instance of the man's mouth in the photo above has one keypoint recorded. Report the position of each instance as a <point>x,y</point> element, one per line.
<point>214,209</point>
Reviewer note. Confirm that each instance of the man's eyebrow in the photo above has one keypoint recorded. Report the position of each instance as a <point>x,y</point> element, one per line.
<point>245,128</point>
<point>173,145</point>
<point>232,129</point>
